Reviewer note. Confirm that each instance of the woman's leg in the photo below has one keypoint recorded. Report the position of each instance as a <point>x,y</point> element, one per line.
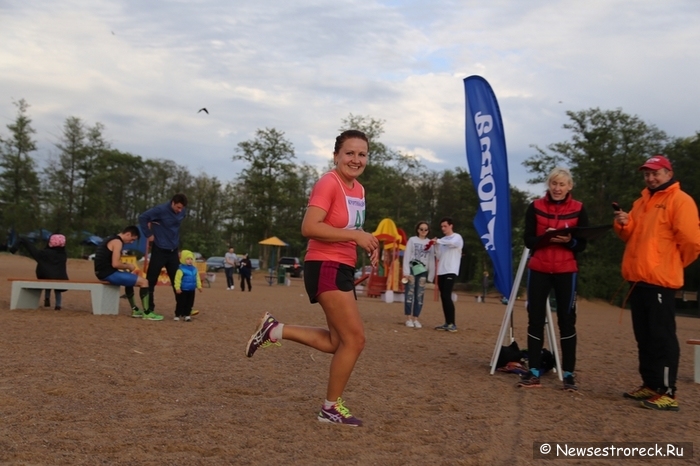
<point>345,337</point>
<point>409,296</point>
<point>347,330</point>
<point>538,288</point>
<point>565,292</point>
<point>420,293</point>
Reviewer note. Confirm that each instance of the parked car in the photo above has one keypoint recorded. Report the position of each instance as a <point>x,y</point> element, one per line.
<point>367,269</point>
<point>215,263</point>
<point>292,265</point>
<point>255,263</point>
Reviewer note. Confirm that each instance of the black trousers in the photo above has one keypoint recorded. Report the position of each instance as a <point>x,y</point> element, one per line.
<point>185,301</point>
<point>539,285</point>
<point>446,284</point>
<point>654,324</point>
<point>160,258</point>
<point>229,276</point>
<point>245,278</point>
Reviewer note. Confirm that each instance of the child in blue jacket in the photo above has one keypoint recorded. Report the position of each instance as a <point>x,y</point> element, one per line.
<point>186,282</point>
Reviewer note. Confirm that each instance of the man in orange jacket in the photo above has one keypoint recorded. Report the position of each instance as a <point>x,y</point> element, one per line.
<point>662,236</point>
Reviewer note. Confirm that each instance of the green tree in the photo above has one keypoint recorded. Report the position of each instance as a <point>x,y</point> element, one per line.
<point>457,199</point>
<point>391,179</point>
<point>271,192</point>
<point>63,176</point>
<point>117,190</point>
<point>19,181</point>
<point>684,153</point>
<point>202,231</point>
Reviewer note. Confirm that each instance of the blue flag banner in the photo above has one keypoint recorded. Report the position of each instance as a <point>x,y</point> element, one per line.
<point>488,167</point>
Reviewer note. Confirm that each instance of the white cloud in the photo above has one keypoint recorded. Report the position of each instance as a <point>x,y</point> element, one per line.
<point>144,69</point>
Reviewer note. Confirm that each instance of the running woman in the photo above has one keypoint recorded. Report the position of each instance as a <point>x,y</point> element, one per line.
<point>333,225</point>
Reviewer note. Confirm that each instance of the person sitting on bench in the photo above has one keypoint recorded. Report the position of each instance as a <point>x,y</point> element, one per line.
<point>50,263</point>
<point>110,268</point>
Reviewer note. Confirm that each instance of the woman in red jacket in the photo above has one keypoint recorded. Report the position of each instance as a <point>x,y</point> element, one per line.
<point>553,265</point>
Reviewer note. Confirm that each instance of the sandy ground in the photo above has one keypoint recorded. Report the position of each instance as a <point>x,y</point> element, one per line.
<point>76,388</point>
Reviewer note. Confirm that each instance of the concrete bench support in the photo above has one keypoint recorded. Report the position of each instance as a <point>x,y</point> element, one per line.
<point>697,358</point>
<point>26,294</point>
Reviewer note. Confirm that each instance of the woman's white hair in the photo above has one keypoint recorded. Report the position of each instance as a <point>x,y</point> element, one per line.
<point>560,172</point>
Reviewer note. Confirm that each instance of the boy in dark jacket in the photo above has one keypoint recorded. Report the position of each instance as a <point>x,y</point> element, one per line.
<point>50,263</point>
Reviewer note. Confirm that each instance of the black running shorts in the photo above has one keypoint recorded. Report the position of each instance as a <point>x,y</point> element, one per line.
<point>322,276</point>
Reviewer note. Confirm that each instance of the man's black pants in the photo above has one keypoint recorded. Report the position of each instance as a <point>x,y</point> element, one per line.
<point>654,324</point>
<point>160,258</point>
<point>446,284</point>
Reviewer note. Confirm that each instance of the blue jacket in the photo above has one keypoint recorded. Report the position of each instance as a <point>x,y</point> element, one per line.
<point>165,225</point>
<point>186,278</point>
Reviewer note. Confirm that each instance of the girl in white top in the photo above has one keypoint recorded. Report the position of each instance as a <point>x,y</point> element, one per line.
<point>418,268</point>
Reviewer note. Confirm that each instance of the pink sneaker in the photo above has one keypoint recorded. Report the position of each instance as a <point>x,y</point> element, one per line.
<point>261,337</point>
<point>338,414</point>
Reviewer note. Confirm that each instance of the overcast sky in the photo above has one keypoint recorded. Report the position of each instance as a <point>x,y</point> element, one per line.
<point>144,68</point>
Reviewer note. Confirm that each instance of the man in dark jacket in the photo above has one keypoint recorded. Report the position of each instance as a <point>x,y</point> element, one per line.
<point>161,225</point>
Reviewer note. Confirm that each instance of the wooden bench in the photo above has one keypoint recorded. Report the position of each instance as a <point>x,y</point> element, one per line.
<point>697,358</point>
<point>686,296</point>
<point>26,293</point>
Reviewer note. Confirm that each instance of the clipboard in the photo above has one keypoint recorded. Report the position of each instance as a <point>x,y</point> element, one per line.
<point>587,233</point>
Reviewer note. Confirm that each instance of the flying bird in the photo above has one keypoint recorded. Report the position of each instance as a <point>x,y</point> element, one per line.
<point>203,109</point>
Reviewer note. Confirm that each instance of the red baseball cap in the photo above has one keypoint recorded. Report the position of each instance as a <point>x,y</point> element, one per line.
<point>656,162</point>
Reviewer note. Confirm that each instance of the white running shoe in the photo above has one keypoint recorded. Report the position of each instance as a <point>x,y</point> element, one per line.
<point>417,324</point>
<point>409,323</point>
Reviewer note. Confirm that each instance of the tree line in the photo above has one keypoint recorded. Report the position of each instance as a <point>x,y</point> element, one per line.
<point>88,185</point>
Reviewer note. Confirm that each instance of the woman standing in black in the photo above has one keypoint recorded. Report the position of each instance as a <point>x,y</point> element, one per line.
<point>553,265</point>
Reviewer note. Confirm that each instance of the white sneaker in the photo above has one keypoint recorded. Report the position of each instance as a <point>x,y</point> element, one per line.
<point>417,324</point>
<point>409,323</point>
<point>176,318</point>
<point>188,319</point>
